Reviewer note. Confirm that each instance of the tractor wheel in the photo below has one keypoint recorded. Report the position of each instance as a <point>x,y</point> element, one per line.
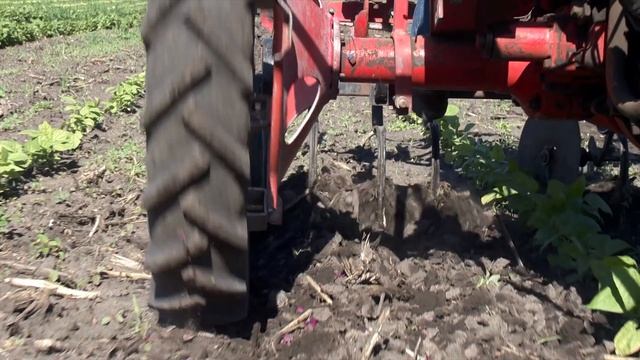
<point>550,149</point>
<point>199,88</point>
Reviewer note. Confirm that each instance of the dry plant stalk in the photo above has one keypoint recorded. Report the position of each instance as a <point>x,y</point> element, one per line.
<point>126,262</point>
<point>56,289</point>
<point>40,271</point>
<point>318,290</point>
<point>368,350</point>
<point>125,275</point>
<point>294,324</point>
<point>48,345</point>
<point>94,229</point>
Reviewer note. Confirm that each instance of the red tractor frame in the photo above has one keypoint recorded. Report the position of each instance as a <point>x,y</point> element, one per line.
<point>555,59</point>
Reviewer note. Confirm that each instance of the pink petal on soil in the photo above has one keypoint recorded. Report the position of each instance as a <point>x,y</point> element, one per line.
<point>299,309</point>
<point>311,324</point>
<point>286,340</point>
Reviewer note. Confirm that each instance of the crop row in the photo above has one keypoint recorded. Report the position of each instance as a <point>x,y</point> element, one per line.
<point>564,219</point>
<point>22,22</point>
<point>47,143</point>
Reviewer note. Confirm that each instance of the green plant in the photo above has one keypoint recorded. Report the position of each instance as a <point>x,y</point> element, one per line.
<point>125,95</point>
<point>3,92</point>
<point>488,279</point>
<point>44,247</point>
<point>566,220</point>
<point>83,117</point>
<point>13,121</point>
<point>47,142</point>
<point>140,325</point>
<point>619,293</point>
<point>13,160</point>
<point>505,132</point>
<point>405,122</point>
<point>127,159</point>
<point>61,196</point>
<point>23,21</point>
<point>4,220</point>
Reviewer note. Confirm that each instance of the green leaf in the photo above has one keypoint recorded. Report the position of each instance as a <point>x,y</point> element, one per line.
<point>577,189</point>
<point>452,110</point>
<point>620,274</point>
<point>605,301</point>
<point>556,190</point>
<point>54,276</point>
<point>604,245</point>
<point>627,340</point>
<point>596,202</point>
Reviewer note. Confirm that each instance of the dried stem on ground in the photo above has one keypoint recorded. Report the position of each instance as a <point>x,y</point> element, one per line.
<point>294,324</point>
<point>48,345</point>
<point>40,271</point>
<point>125,275</point>
<point>57,289</point>
<point>94,229</point>
<point>318,289</point>
<point>126,262</point>
<point>368,350</point>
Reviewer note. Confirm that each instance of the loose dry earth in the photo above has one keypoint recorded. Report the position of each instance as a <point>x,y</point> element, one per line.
<point>414,288</point>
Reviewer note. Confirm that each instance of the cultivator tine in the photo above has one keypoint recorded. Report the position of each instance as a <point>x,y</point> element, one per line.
<point>434,128</point>
<point>381,142</point>
<point>313,155</point>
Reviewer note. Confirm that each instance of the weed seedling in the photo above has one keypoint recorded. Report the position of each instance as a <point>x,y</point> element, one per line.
<point>140,325</point>
<point>127,159</point>
<point>45,247</point>
<point>504,129</point>
<point>488,279</point>
<point>4,221</point>
<point>61,196</point>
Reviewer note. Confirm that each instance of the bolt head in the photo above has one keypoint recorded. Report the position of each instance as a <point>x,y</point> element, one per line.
<point>402,102</point>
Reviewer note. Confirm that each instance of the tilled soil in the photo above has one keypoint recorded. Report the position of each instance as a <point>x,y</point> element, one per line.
<point>436,281</point>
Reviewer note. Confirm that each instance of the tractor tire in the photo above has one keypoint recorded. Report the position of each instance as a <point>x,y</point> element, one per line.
<point>197,123</point>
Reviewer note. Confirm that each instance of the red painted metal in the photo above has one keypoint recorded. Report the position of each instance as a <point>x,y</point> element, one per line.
<point>266,20</point>
<point>552,68</point>
<point>443,64</point>
<point>303,79</point>
<point>361,22</point>
<point>277,103</point>
<point>532,43</point>
<point>403,55</point>
<point>379,13</point>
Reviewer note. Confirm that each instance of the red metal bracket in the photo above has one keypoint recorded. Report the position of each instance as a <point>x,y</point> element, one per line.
<point>403,54</point>
<point>304,78</point>
<point>361,23</point>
